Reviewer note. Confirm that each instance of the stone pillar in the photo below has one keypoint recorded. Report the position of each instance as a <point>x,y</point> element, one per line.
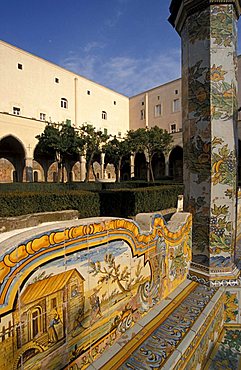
<point>132,165</point>
<point>29,169</point>
<point>147,109</point>
<point>167,172</point>
<point>102,165</point>
<point>209,96</point>
<point>82,168</point>
<point>76,99</point>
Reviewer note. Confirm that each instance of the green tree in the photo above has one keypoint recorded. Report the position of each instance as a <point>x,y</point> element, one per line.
<point>61,141</point>
<point>151,141</point>
<point>93,142</point>
<point>116,150</point>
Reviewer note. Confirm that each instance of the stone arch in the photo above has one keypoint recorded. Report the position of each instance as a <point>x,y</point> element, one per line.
<point>140,166</point>
<point>109,168</point>
<point>44,161</point>
<point>95,170</point>
<point>176,163</point>
<point>76,171</point>
<point>28,351</point>
<point>125,174</point>
<point>158,165</point>
<point>12,151</point>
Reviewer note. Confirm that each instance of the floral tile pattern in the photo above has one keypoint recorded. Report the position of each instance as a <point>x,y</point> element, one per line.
<point>209,62</point>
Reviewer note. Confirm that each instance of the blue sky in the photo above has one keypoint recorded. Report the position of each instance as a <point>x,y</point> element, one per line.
<point>127,45</point>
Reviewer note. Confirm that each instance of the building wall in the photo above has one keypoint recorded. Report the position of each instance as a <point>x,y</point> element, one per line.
<point>34,90</point>
<point>149,101</point>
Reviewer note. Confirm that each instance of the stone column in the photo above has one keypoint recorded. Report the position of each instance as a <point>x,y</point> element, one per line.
<point>147,109</point>
<point>132,159</point>
<point>82,168</point>
<point>102,165</point>
<point>167,172</point>
<point>29,169</point>
<point>209,96</point>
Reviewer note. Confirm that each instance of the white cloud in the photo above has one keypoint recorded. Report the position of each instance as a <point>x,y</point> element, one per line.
<point>131,76</point>
<point>93,45</point>
<point>125,74</point>
<point>111,22</point>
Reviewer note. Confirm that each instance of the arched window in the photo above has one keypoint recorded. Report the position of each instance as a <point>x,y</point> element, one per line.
<point>36,321</point>
<point>104,115</point>
<point>35,176</point>
<point>64,103</point>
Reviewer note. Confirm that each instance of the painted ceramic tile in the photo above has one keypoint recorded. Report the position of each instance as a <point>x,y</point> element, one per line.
<point>81,288</point>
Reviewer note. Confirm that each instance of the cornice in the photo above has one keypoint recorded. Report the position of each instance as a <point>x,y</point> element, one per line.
<point>181,9</point>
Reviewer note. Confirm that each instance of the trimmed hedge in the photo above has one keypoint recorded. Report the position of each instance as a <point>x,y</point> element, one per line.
<point>125,203</point>
<point>16,204</point>
<point>81,186</point>
<point>115,202</point>
<point>49,187</point>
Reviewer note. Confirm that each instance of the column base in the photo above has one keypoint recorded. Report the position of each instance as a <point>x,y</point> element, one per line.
<point>215,277</point>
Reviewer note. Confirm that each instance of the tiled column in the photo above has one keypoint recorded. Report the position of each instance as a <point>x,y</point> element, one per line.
<point>209,94</point>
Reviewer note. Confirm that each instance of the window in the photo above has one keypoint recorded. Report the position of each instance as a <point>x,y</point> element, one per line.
<point>143,114</point>
<point>74,291</point>
<point>64,103</point>
<point>142,103</point>
<point>157,110</point>
<point>42,116</point>
<point>16,111</point>
<point>105,131</point>
<point>88,92</point>
<point>56,80</point>
<point>176,92</point>
<point>176,105</point>
<point>119,134</point>
<point>173,128</point>
<point>20,66</point>
<point>104,115</point>
<point>158,97</point>
<point>114,102</point>
<point>53,303</point>
<point>68,122</point>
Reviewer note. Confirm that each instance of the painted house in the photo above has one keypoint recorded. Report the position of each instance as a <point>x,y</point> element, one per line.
<point>44,309</point>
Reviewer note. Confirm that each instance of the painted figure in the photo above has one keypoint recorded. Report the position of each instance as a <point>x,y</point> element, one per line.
<point>95,306</point>
<point>53,336</point>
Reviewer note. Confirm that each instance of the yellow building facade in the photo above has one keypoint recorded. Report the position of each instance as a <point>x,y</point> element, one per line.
<point>34,92</point>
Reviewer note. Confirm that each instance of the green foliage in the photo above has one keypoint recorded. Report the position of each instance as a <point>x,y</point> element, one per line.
<point>125,203</point>
<point>90,186</point>
<point>151,141</point>
<point>60,141</point>
<point>93,141</point>
<point>16,204</point>
<point>116,150</point>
